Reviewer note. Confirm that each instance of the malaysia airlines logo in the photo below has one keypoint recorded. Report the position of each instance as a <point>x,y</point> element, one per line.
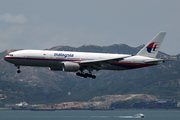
<point>64,55</point>
<point>152,47</point>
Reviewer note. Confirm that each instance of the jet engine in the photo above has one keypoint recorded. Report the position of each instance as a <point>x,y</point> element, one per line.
<point>70,67</point>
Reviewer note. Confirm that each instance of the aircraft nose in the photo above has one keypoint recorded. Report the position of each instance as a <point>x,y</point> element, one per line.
<point>5,58</point>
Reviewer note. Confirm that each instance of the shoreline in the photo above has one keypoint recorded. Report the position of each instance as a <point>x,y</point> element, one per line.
<point>101,109</point>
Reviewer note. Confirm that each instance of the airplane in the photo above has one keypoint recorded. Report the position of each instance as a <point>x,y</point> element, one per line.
<point>78,62</point>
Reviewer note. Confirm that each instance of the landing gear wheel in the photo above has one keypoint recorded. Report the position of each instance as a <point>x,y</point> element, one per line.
<point>93,77</point>
<point>84,76</point>
<point>78,74</point>
<point>18,71</point>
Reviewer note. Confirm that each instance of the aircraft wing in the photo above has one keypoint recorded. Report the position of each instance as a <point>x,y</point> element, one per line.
<point>99,62</point>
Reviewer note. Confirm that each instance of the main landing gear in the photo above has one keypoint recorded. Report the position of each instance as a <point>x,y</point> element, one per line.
<point>85,75</point>
<point>18,69</point>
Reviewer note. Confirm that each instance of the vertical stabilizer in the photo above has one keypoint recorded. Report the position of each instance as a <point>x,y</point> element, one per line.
<point>151,49</point>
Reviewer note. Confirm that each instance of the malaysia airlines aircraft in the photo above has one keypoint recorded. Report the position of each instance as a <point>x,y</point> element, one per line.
<point>69,61</point>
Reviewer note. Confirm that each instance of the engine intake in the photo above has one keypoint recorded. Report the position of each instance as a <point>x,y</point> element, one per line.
<point>70,67</point>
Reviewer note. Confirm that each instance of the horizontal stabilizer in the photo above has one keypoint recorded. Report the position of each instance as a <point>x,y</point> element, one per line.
<point>157,61</point>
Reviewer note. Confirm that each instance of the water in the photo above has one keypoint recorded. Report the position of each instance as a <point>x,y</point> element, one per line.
<point>88,115</point>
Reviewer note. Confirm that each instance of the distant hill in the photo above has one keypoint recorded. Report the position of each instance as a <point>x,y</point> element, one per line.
<point>40,85</point>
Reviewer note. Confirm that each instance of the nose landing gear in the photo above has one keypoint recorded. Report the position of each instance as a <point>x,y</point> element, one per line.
<point>18,69</point>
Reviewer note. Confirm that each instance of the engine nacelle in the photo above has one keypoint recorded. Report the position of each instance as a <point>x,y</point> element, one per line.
<point>70,67</point>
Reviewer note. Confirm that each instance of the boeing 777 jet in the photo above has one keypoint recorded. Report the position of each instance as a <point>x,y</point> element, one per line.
<point>69,61</point>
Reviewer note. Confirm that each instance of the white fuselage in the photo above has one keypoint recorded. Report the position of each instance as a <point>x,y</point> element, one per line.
<point>54,59</point>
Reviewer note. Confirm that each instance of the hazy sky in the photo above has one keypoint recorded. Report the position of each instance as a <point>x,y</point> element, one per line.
<point>41,24</point>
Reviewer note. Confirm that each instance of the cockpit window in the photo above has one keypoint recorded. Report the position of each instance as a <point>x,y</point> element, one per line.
<point>10,54</point>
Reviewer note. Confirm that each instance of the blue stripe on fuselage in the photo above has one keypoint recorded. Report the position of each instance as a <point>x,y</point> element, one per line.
<point>125,66</point>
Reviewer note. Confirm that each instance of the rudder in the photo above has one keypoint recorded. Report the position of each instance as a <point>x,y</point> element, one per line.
<point>151,49</point>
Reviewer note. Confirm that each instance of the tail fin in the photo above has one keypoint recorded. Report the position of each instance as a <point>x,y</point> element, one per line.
<point>151,49</point>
